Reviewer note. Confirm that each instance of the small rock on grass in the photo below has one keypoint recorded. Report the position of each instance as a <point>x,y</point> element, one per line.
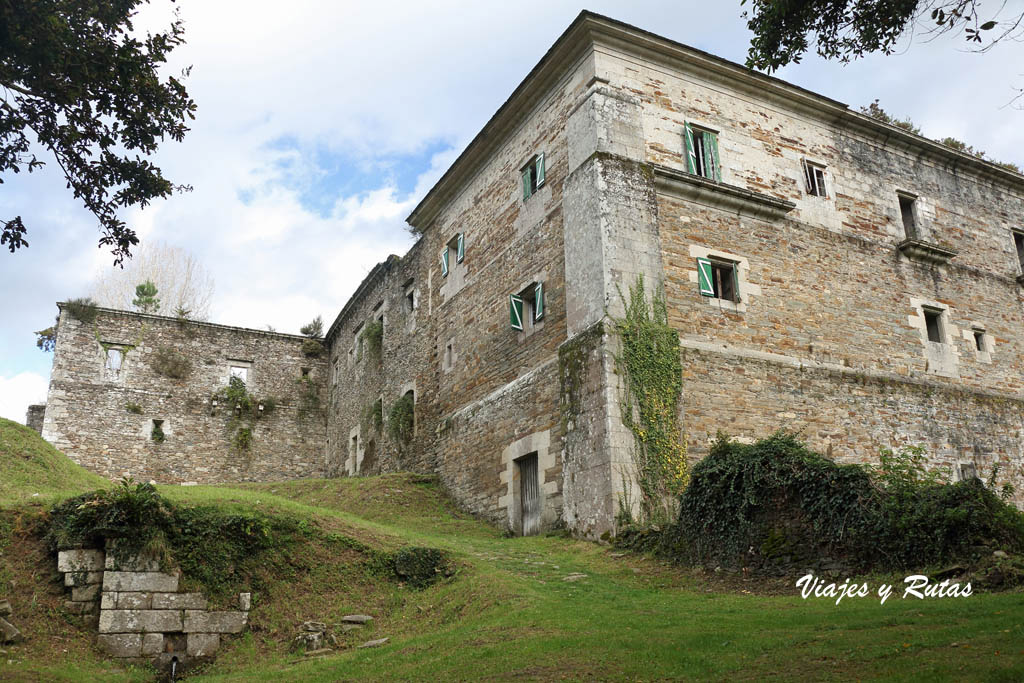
<point>374,643</point>
<point>357,619</point>
<point>575,576</point>
<point>5,608</point>
<point>318,653</point>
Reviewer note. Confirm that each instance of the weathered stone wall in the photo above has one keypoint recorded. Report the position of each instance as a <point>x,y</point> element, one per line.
<point>103,418</point>
<point>34,417</point>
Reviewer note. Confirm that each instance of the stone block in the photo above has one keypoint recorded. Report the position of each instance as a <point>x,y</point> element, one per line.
<point>152,643</point>
<point>121,644</point>
<point>157,582</point>
<point>80,561</point>
<point>85,593</point>
<point>139,620</point>
<point>9,634</point>
<point>142,562</point>
<point>179,601</point>
<point>108,600</point>
<point>79,607</point>
<point>82,578</point>
<point>203,644</point>
<point>5,608</point>
<point>134,601</point>
<point>197,621</point>
<point>245,601</point>
<point>357,619</point>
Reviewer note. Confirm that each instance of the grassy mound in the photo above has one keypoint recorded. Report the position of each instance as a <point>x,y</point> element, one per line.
<point>31,469</point>
<point>775,505</point>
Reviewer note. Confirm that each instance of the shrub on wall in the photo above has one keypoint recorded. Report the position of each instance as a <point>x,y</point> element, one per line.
<point>401,419</point>
<point>82,308</point>
<point>312,348</point>
<point>373,335</point>
<point>169,363</point>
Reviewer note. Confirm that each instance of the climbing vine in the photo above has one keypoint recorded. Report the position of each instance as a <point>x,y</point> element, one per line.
<point>243,410</point>
<point>648,361</point>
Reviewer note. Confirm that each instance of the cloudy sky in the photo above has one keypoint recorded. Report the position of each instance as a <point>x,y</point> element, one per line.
<point>320,127</point>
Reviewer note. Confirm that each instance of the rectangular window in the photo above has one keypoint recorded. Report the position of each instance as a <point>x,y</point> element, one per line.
<point>717,279</point>
<point>979,340</point>
<point>533,176</point>
<point>815,177</point>
<point>908,214</point>
<point>1018,242</point>
<point>933,321</point>
<point>702,153</point>
<point>527,307</point>
<point>968,471</point>
<point>240,372</point>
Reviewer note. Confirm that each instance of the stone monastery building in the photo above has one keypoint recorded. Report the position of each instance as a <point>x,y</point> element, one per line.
<point>826,273</point>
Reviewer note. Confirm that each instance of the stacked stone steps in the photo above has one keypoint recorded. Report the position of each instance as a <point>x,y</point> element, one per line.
<point>139,610</point>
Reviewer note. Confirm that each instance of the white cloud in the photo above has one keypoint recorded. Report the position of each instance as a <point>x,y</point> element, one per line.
<point>17,393</point>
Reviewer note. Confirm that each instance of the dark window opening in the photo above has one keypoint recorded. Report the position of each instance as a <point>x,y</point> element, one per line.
<point>702,149</point>
<point>723,280</point>
<point>1018,241</point>
<point>933,321</point>
<point>305,371</point>
<point>815,177</point>
<point>156,434</point>
<point>410,301</point>
<point>979,339</point>
<point>907,212</point>
<point>968,471</point>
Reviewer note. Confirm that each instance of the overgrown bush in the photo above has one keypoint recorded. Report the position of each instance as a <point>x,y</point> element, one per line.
<point>312,348</point>
<point>133,408</point>
<point>82,308</point>
<point>156,435</point>
<point>373,335</point>
<point>401,419</point>
<point>170,363</point>
<point>419,567</point>
<point>776,502</point>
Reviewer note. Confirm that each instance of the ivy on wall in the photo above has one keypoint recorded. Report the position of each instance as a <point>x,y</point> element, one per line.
<point>649,363</point>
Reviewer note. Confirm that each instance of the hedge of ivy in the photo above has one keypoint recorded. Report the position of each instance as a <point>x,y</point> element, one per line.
<point>776,502</point>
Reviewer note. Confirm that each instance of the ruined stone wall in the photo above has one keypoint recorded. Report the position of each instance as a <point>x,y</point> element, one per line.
<point>103,418</point>
<point>485,394</point>
<point>34,417</point>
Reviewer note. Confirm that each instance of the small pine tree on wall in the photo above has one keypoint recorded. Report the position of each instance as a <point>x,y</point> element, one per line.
<point>145,298</point>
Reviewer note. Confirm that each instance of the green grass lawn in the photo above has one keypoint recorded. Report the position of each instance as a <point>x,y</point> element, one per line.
<point>31,469</point>
<point>508,613</point>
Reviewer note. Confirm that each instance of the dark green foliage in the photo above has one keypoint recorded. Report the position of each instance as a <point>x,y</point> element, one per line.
<point>46,340</point>
<point>314,329</point>
<point>157,433</point>
<point>82,308</point>
<point>848,29</point>
<point>776,502</point>
<point>145,298</point>
<point>169,363</point>
<point>875,111</point>
<point>373,335</point>
<point>133,408</point>
<point>419,567</point>
<point>312,348</point>
<point>243,439</point>
<point>401,419</point>
<point>85,84</point>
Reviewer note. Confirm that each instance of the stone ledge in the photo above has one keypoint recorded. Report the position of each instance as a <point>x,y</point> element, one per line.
<point>197,621</point>
<point>719,195</point>
<point>139,621</point>
<point>80,560</point>
<point>158,582</point>
<point>927,252</point>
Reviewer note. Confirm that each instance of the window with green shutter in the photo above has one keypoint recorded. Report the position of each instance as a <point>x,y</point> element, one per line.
<point>460,248</point>
<point>444,261</point>
<point>527,307</point>
<point>533,176</point>
<point>718,279</point>
<point>538,301</point>
<point>701,148</point>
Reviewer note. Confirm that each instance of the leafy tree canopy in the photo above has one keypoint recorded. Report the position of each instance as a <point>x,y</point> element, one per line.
<point>847,29</point>
<point>79,83</point>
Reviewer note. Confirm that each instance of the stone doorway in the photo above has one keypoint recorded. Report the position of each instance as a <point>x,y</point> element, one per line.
<point>529,494</point>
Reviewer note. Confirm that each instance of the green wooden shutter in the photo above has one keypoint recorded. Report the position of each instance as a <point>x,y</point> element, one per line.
<point>809,177</point>
<point>736,282</point>
<point>515,311</point>
<point>460,248</point>
<point>704,277</point>
<point>540,169</point>
<point>526,183</point>
<point>538,301</point>
<point>444,262</point>
<point>691,154</point>
<point>711,156</point>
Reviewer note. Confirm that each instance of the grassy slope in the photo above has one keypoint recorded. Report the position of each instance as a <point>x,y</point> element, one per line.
<point>31,469</point>
<point>510,614</point>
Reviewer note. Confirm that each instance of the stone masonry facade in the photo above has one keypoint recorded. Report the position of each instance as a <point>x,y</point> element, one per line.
<point>826,273</point>
<point>111,410</point>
